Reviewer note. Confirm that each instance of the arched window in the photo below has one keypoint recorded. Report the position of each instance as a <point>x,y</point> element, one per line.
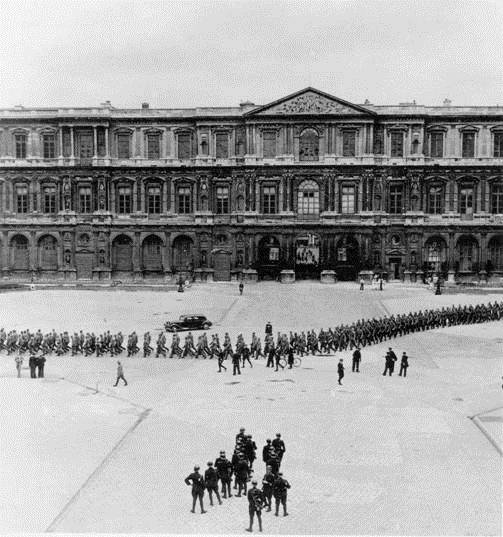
<point>308,198</point>
<point>468,253</point>
<point>495,255</point>
<point>435,198</point>
<point>309,145</point>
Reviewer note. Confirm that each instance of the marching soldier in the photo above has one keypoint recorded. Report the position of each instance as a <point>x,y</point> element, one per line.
<point>211,481</point>
<point>255,504</point>
<point>235,364</point>
<point>267,485</point>
<point>197,481</point>
<point>242,475</point>
<point>267,450</point>
<point>221,359</point>
<point>404,364</point>
<point>279,489</point>
<point>390,362</point>
<point>268,328</point>
<point>279,447</point>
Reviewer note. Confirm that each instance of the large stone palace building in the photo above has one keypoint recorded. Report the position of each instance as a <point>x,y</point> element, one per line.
<point>306,183</point>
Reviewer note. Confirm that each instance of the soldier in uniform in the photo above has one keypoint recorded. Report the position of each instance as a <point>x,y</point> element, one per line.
<point>279,447</point>
<point>340,370</point>
<point>40,363</point>
<point>242,472</point>
<point>404,364</point>
<point>197,481</point>
<point>211,482</point>
<point>267,484</point>
<point>120,374</point>
<point>268,328</point>
<point>250,449</point>
<point>224,471</point>
<point>390,362</point>
<point>147,349</point>
<point>235,364</point>
<point>255,504</point>
<point>221,359</point>
<point>279,489</point>
<point>357,356</point>
<point>267,450</point>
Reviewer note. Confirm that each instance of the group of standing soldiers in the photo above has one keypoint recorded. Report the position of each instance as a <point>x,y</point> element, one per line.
<point>241,466</point>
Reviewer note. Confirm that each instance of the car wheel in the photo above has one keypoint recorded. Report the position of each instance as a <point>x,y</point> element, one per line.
<point>206,326</point>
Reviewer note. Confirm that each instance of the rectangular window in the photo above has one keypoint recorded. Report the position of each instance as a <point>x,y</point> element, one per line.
<point>184,146</point>
<point>101,142</point>
<point>466,200</point>
<point>49,200</point>
<point>498,144</point>
<point>222,200</point>
<point>124,200</point>
<point>153,146</point>
<point>123,150</point>
<point>269,200</point>
<point>222,145</point>
<point>49,146</point>
<point>468,144</point>
<point>349,144</point>
<point>435,200</point>
<point>22,198</point>
<point>437,144</point>
<point>397,144</point>
<point>184,200</point>
<point>85,199</point>
<point>269,138</point>
<point>20,141</point>
<point>497,199</point>
<point>348,200</point>
<point>395,199</point>
<point>154,200</point>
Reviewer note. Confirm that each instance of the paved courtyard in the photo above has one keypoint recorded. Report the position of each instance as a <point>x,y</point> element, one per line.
<point>378,455</point>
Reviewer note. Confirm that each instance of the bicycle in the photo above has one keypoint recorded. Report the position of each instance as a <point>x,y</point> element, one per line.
<point>297,362</point>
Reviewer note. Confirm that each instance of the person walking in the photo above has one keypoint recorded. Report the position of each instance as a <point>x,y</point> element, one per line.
<point>120,374</point>
<point>19,365</point>
<point>241,287</point>
<point>197,481</point>
<point>340,371</point>
<point>404,364</point>
<point>211,482</point>
<point>235,364</point>
<point>255,504</point>
<point>357,356</point>
<point>362,284</point>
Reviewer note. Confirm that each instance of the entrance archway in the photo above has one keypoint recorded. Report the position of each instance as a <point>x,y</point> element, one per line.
<point>182,253</point>
<point>307,257</point>
<point>20,253</point>
<point>152,254</point>
<point>122,253</point>
<point>222,265</point>
<point>268,258</point>
<point>468,254</point>
<point>347,258</point>
<point>48,253</point>
<point>495,254</point>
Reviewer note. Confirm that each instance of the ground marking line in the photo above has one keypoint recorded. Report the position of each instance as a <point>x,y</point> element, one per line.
<point>487,434</point>
<point>220,321</point>
<point>59,517</point>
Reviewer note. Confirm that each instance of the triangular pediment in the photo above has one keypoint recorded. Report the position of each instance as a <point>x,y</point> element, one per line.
<point>310,101</point>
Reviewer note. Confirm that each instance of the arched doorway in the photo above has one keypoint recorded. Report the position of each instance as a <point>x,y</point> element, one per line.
<point>152,254</point>
<point>435,255</point>
<point>268,258</point>
<point>182,253</point>
<point>495,254</point>
<point>48,253</point>
<point>20,253</point>
<point>347,263</point>
<point>468,254</point>
<point>307,257</point>
<point>122,254</point>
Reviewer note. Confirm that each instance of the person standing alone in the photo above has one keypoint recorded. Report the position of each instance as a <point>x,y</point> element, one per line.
<point>404,364</point>
<point>340,370</point>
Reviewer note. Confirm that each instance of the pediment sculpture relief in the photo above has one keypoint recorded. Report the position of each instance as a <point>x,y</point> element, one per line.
<point>310,103</point>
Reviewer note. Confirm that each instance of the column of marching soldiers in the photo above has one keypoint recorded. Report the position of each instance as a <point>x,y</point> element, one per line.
<point>339,338</point>
<point>241,467</point>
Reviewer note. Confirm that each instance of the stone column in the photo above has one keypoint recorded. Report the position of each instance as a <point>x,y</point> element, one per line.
<point>95,142</point>
<point>107,143</point>
<point>134,186</point>
<point>5,254</point>
<point>72,142</point>
<point>60,138</point>
<point>136,256</point>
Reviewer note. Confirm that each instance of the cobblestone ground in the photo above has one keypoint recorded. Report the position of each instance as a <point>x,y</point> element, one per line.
<point>378,455</point>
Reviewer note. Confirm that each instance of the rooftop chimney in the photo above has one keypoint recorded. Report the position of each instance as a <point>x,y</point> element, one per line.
<point>447,102</point>
<point>145,106</point>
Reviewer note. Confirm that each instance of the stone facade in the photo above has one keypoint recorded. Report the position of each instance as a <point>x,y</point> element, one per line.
<point>308,183</point>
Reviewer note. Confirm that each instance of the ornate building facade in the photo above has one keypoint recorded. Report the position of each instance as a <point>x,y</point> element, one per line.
<point>309,182</point>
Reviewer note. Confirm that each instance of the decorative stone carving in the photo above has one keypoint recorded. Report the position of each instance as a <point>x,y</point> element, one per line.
<point>67,194</point>
<point>310,103</point>
<point>102,203</point>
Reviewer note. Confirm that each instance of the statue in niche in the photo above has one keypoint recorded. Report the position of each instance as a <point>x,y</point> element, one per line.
<point>68,258</point>
<point>204,203</point>
<point>204,260</point>
<point>101,257</point>
<point>241,203</point>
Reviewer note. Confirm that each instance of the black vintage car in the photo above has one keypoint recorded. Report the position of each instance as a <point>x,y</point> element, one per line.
<point>188,322</point>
